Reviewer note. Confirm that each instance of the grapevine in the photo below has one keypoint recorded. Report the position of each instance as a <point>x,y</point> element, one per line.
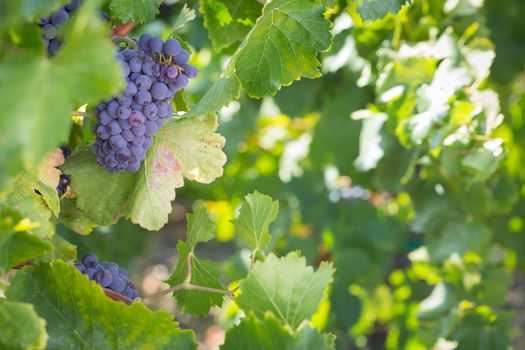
<point>268,174</point>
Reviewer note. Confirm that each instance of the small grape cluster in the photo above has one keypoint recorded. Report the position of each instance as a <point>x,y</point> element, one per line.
<point>108,275</point>
<point>126,123</point>
<point>51,24</point>
<point>64,179</point>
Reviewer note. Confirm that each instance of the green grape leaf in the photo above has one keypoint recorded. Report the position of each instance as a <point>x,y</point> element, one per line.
<point>229,21</point>
<point>20,327</point>
<point>219,95</point>
<point>459,237</point>
<point>200,228</point>
<point>286,287</point>
<point>282,46</point>
<point>136,11</point>
<point>80,316</point>
<point>187,148</point>
<point>258,211</point>
<point>74,218</point>
<point>376,9</point>
<point>185,16</point>
<point>270,334</point>
<point>32,206</point>
<point>203,273</point>
<point>83,70</point>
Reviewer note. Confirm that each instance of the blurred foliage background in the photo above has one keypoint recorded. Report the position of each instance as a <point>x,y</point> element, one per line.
<point>402,164</point>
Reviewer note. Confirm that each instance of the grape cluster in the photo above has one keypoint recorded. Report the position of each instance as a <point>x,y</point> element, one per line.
<point>108,275</point>
<point>51,23</point>
<point>126,123</point>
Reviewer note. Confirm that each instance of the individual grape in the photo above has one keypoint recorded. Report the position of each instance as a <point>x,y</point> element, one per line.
<point>127,134</point>
<point>133,166</point>
<point>156,44</point>
<point>131,89</point>
<point>50,31</point>
<point>123,112</point>
<point>59,17</point>
<point>148,141</point>
<point>114,128</point>
<point>123,155</point>
<point>90,272</point>
<point>118,284</point>
<point>139,130</point>
<point>102,132</point>
<point>72,6</point>
<point>80,267</point>
<point>136,118</point>
<point>89,258</point>
<point>144,41</point>
<point>150,110</point>
<point>66,151</point>
<point>124,124</point>
<point>143,82</point>
<point>125,100</point>
<point>143,97</point>
<point>103,277</point>
<point>116,142</point>
<point>105,118</point>
<point>125,68</point>
<point>190,71</point>
<point>138,140</point>
<point>151,127</point>
<point>149,67</point>
<point>182,57</point>
<point>112,108</point>
<point>135,65</point>
<point>53,45</point>
<point>172,72</point>
<point>159,91</point>
<point>171,47</point>
<point>63,183</point>
<point>182,81</point>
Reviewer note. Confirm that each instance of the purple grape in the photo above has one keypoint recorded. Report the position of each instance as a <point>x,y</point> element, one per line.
<point>136,118</point>
<point>90,272</point>
<point>148,68</point>
<point>182,57</point>
<point>151,127</point>
<point>124,124</point>
<point>80,267</point>
<point>138,140</point>
<point>133,167</point>
<point>125,100</point>
<point>88,258</point>
<point>143,82</point>
<point>72,6</point>
<point>131,89</point>
<point>102,132</point>
<point>114,128</point>
<point>50,31</point>
<point>190,71</point>
<point>117,284</point>
<point>116,142</point>
<point>112,108</point>
<point>135,65</point>
<point>150,110</point>
<point>104,118</point>
<point>123,112</point>
<point>125,68</point>
<point>144,41</point>
<point>172,72</point>
<point>53,46</point>
<point>159,91</point>
<point>123,155</point>
<point>148,141</point>
<point>171,47</point>
<point>139,130</point>
<point>103,277</point>
<point>182,81</point>
<point>156,44</point>
<point>59,17</point>
<point>127,134</point>
<point>143,97</point>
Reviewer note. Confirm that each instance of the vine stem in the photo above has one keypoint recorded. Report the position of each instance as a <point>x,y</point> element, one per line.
<point>84,114</point>
<point>123,29</point>
<point>130,43</point>
<point>187,285</point>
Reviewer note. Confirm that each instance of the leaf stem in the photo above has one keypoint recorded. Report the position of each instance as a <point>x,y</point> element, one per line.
<point>188,286</point>
<point>84,114</point>
<point>123,29</point>
<point>130,43</point>
<point>189,264</point>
